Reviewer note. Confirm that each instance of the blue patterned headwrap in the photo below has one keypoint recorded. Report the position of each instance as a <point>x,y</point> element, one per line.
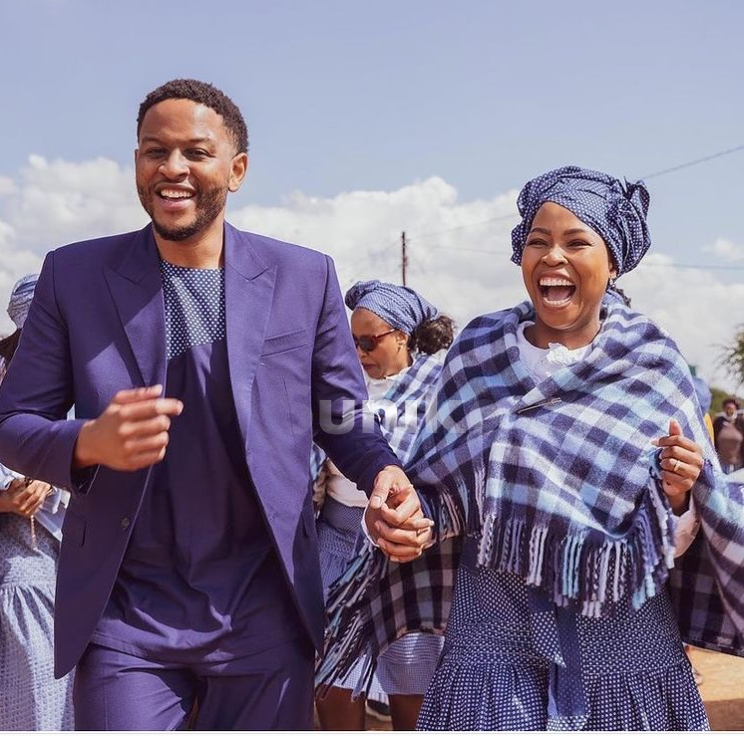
<point>614,210</point>
<point>400,306</point>
<point>20,299</point>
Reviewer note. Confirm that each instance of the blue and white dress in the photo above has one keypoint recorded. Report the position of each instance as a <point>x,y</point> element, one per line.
<point>30,698</point>
<point>407,666</point>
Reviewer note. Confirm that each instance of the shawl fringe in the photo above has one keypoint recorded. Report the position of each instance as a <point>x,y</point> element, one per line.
<point>350,632</point>
<point>592,571</point>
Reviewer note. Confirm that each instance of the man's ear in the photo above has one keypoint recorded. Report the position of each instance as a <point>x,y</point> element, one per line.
<point>238,171</point>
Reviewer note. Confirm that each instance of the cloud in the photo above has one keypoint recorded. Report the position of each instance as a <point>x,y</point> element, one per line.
<point>458,252</point>
<point>726,250</point>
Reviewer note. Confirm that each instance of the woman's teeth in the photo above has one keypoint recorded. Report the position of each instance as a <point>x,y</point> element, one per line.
<point>556,291</point>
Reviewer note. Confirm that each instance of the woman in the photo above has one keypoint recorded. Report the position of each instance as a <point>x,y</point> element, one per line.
<point>728,433</point>
<point>397,334</point>
<point>31,514</point>
<point>549,453</point>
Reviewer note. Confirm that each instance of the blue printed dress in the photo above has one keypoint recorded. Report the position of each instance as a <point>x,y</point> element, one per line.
<point>633,672</point>
<point>30,698</point>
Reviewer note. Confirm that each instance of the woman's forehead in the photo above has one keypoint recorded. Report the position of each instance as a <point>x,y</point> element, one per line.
<point>365,321</point>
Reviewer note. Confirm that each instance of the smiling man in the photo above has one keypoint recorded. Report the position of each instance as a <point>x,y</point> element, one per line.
<point>189,588</point>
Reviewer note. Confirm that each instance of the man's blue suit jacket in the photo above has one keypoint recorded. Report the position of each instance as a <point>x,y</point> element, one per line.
<point>97,326</point>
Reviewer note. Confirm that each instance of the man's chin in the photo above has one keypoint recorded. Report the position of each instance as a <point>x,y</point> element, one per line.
<point>178,234</point>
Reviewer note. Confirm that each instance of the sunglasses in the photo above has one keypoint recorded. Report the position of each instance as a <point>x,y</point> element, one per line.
<point>367,343</point>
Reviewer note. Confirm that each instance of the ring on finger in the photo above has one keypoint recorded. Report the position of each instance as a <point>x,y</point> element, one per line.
<point>676,465</point>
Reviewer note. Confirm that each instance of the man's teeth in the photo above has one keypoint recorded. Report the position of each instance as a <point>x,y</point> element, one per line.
<point>175,194</point>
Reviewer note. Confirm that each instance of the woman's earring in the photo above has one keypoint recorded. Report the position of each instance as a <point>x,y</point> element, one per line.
<point>611,283</point>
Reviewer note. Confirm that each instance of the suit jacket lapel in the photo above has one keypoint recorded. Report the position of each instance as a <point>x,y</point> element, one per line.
<point>249,287</point>
<point>137,291</point>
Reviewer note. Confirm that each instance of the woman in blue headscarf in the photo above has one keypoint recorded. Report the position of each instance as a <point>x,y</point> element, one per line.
<point>31,514</point>
<point>569,452</point>
<point>397,334</point>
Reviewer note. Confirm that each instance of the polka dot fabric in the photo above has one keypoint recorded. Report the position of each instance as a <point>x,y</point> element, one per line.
<point>194,307</point>
<point>614,210</point>
<point>635,673</point>
<point>30,698</point>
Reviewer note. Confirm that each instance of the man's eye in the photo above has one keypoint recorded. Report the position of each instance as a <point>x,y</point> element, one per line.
<point>197,153</point>
<point>154,152</point>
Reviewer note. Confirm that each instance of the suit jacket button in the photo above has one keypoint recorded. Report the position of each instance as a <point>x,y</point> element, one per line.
<point>125,523</point>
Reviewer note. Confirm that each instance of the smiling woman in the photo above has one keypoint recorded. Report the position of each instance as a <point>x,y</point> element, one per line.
<point>568,450</point>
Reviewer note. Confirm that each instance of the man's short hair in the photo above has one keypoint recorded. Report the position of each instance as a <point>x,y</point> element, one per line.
<point>203,94</point>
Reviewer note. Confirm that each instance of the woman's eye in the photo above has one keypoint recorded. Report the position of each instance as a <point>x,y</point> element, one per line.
<point>536,243</point>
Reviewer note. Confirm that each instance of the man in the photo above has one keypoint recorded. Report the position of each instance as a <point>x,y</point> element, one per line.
<point>189,581</point>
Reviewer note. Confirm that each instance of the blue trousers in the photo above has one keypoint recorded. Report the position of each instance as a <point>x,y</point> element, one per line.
<point>121,692</point>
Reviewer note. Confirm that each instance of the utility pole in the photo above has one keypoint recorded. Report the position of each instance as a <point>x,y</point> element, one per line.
<point>403,257</point>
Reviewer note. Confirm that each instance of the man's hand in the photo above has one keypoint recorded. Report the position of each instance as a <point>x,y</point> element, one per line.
<point>132,432</point>
<point>23,497</point>
<point>681,462</point>
<point>394,518</point>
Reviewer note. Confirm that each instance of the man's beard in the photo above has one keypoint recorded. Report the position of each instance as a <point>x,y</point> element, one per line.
<point>208,208</point>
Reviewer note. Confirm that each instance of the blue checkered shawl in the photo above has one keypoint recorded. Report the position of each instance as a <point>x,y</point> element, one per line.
<point>559,482</point>
<point>401,410</point>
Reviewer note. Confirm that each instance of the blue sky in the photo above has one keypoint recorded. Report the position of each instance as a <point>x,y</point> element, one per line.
<point>376,95</point>
<point>354,94</point>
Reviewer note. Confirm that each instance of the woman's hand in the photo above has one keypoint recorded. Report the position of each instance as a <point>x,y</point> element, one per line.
<point>23,497</point>
<point>681,463</point>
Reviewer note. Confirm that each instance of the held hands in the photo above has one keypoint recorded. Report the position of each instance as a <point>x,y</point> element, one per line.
<point>681,462</point>
<point>394,518</point>
<point>24,497</point>
<point>132,432</point>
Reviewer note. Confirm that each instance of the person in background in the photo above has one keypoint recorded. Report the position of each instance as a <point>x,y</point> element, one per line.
<point>397,334</point>
<point>31,514</point>
<point>728,433</point>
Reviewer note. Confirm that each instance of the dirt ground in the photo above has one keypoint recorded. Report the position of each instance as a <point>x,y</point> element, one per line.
<point>722,688</point>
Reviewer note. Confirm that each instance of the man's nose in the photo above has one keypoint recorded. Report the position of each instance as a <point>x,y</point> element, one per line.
<point>175,166</point>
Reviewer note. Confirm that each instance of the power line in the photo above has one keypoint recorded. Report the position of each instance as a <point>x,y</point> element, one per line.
<point>694,265</point>
<point>652,175</point>
<point>430,281</point>
<point>695,162</point>
<point>492,252</point>
<point>466,225</point>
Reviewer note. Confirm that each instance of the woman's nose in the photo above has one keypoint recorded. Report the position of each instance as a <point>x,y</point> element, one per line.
<point>554,256</point>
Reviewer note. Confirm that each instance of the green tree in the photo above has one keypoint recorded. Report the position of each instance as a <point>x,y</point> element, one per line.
<point>732,361</point>
<point>732,356</point>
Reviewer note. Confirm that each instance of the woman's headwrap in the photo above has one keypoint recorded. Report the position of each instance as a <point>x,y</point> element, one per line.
<point>20,299</point>
<point>400,306</point>
<point>614,210</point>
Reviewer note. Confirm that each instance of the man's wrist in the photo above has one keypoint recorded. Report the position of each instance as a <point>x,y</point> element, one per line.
<point>82,455</point>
